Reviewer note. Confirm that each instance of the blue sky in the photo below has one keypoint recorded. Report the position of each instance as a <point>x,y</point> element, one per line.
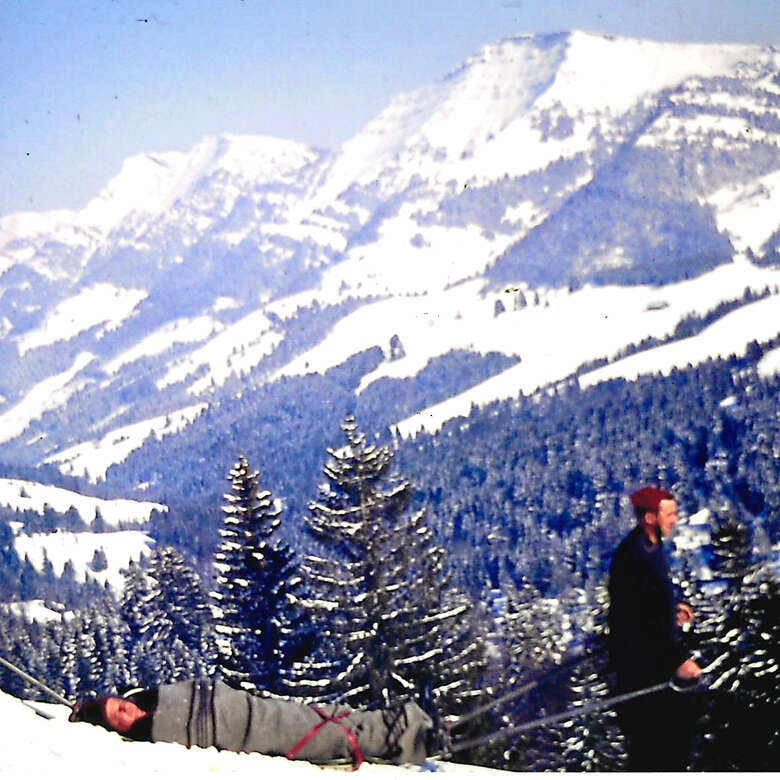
<point>86,84</point>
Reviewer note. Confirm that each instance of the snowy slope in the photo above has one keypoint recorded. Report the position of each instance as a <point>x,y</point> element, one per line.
<point>554,340</point>
<point>748,213</point>
<point>44,396</point>
<point>92,459</point>
<point>770,363</point>
<point>21,495</point>
<point>120,548</point>
<point>33,747</point>
<point>102,304</point>
<point>539,164</point>
<point>507,80</point>
<point>35,609</point>
<point>729,335</point>
<point>152,183</point>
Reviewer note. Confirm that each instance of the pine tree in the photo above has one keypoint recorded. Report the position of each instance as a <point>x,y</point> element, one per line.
<point>737,630</point>
<point>388,627</point>
<point>255,588</point>
<point>592,742</point>
<point>169,621</point>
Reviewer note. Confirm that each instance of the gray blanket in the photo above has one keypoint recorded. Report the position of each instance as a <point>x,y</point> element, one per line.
<point>211,714</point>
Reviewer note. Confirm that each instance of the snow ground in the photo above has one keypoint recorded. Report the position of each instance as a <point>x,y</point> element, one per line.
<point>35,609</point>
<point>770,363</point>
<point>182,331</point>
<point>554,339</point>
<point>239,347</point>
<point>33,747</point>
<point>729,335</point>
<point>92,459</point>
<point>121,548</point>
<point>50,393</point>
<point>748,213</point>
<point>101,304</point>
<point>21,494</point>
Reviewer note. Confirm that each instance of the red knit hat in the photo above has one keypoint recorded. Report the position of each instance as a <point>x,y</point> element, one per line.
<point>649,498</point>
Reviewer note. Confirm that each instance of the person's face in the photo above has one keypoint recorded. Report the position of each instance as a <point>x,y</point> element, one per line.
<point>121,714</point>
<point>666,517</point>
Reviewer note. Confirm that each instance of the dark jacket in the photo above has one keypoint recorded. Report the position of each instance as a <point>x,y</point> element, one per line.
<point>205,713</point>
<point>644,641</point>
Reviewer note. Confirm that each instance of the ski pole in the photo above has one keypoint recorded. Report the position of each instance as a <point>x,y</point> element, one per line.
<point>568,715</point>
<point>58,697</point>
<point>526,686</point>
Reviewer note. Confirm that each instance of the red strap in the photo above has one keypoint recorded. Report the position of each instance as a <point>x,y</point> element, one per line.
<point>351,738</point>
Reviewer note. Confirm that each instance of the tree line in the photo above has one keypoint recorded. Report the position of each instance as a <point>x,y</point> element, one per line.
<point>499,553</point>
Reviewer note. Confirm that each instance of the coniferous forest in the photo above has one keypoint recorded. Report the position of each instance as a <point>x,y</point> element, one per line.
<point>454,569</point>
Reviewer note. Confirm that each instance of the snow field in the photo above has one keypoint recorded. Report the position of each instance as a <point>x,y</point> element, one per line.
<point>553,341</point>
<point>729,335</point>
<point>48,394</point>
<point>184,331</point>
<point>33,747</point>
<point>92,459</point>
<point>36,610</point>
<point>523,77</point>
<point>770,363</point>
<point>21,495</point>
<point>645,66</point>
<point>101,304</point>
<point>120,547</point>
<point>396,265</point>
<point>239,347</point>
<point>153,183</point>
<point>749,213</point>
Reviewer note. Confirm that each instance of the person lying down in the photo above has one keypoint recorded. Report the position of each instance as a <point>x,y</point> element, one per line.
<point>208,713</point>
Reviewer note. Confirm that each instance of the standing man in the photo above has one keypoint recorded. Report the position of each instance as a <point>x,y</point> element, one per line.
<point>644,638</point>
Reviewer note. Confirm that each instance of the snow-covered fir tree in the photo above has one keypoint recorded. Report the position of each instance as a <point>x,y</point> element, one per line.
<point>255,588</point>
<point>593,741</point>
<point>388,627</point>
<point>737,631</point>
<point>92,654</point>
<point>169,621</point>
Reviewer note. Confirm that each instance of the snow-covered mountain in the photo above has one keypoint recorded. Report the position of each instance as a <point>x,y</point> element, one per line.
<point>555,199</point>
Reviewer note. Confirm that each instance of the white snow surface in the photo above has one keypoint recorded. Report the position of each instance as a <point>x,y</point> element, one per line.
<point>153,183</point>
<point>101,304</point>
<point>183,331</point>
<point>553,340</point>
<point>493,94</point>
<point>35,610</point>
<point>50,393</point>
<point>770,363</point>
<point>33,747</point>
<point>729,335</point>
<point>750,214</point>
<point>22,494</point>
<point>236,349</point>
<point>92,459</point>
<point>120,547</point>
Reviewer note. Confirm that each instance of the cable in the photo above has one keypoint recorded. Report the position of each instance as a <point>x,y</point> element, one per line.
<point>59,698</point>
<point>568,715</point>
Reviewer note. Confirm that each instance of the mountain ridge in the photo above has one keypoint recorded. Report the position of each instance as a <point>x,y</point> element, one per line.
<point>465,215</point>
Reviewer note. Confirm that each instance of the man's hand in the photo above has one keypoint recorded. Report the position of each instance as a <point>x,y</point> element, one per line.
<point>688,670</point>
<point>684,613</point>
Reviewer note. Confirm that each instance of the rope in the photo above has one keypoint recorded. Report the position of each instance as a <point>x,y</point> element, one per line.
<point>58,697</point>
<point>351,738</point>
<point>568,715</point>
<point>524,688</point>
